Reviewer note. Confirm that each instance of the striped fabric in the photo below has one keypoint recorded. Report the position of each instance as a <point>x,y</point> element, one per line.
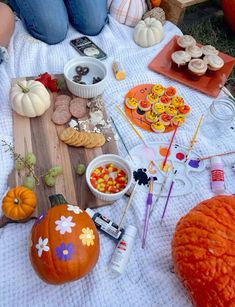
<point>128,12</point>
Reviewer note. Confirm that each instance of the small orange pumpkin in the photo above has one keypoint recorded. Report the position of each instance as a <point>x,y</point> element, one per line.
<point>203,251</point>
<point>64,243</point>
<point>155,3</point>
<point>19,203</point>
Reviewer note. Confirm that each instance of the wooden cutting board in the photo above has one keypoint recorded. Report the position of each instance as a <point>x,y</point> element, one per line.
<point>40,136</point>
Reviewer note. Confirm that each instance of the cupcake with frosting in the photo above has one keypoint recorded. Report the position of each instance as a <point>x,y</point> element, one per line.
<point>131,103</point>
<point>144,105</point>
<point>166,119</point>
<point>151,116</point>
<point>194,51</point>
<point>184,110</point>
<point>197,68</point>
<point>178,120</point>
<point>165,100</point>
<point>209,50</point>
<point>185,41</point>
<point>177,101</point>
<point>158,127</point>
<point>214,62</point>
<point>170,91</point>
<point>158,108</point>
<point>180,59</point>
<point>152,98</point>
<point>171,110</point>
<point>158,89</point>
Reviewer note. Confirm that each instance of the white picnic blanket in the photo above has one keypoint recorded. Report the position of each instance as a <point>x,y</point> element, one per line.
<point>148,280</point>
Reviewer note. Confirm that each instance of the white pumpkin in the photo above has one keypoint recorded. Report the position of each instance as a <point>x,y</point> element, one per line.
<point>127,12</point>
<point>29,98</point>
<point>148,32</point>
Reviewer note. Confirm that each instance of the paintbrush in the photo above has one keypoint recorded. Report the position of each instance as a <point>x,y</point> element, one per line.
<point>168,197</point>
<point>159,194</point>
<point>121,138</point>
<point>127,206</point>
<point>147,212</point>
<point>193,138</point>
<point>218,155</point>
<point>226,92</point>
<point>169,147</point>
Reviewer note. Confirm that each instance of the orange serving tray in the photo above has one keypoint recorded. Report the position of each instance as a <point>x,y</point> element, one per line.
<point>207,84</point>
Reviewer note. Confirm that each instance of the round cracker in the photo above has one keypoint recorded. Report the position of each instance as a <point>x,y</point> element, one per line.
<point>66,134</point>
<point>101,140</point>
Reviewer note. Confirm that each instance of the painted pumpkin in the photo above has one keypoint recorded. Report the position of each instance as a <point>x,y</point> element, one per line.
<point>228,7</point>
<point>64,243</point>
<point>155,3</point>
<point>203,251</point>
<point>19,203</point>
<point>148,32</point>
<point>127,12</point>
<point>29,98</point>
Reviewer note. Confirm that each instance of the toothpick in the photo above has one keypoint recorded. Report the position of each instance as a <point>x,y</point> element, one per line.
<point>218,155</point>
<point>127,206</point>
<point>169,147</point>
<point>130,123</point>
<point>119,134</point>
<point>194,138</point>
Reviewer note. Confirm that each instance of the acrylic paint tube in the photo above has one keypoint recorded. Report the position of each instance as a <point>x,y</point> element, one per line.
<point>106,225</point>
<point>118,71</point>
<point>217,175</point>
<point>122,251</point>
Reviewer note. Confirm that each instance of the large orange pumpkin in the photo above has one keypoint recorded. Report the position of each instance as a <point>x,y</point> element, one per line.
<point>229,12</point>
<point>64,243</point>
<point>203,251</point>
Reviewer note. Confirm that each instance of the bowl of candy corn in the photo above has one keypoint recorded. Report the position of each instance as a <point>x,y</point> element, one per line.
<point>109,177</point>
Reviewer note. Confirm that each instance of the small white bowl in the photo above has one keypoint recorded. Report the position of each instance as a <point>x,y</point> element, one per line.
<point>96,69</point>
<point>117,161</point>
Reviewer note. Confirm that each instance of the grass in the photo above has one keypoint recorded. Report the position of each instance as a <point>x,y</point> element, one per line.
<point>214,31</point>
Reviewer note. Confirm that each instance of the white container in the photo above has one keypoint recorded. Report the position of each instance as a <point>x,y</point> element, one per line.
<point>123,250</point>
<point>117,161</point>
<point>96,69</point>
<point>217,175</point>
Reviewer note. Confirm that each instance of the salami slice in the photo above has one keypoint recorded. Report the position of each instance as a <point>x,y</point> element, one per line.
<point>61,116</point>
<point>77,110</point>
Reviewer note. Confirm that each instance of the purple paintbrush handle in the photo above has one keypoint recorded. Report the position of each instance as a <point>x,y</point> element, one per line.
<point>150,199</point>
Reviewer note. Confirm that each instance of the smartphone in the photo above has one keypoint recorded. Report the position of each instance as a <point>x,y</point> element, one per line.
<point>87,48</point>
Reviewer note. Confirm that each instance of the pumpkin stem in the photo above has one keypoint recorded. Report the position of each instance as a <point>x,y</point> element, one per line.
<point>24,89</point>
<point>57,199</point>
<point>16,201</point>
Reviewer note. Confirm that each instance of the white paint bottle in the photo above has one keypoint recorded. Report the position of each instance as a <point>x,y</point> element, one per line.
<point>123,250</point>
<point>217,175</point>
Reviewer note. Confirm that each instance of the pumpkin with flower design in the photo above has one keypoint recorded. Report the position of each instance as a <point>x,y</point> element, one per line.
<point>64,243</point>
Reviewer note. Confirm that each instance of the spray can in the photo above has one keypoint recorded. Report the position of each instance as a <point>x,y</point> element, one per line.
<point>123,250</point>
<point>106,225</point>
<point>217,175</point>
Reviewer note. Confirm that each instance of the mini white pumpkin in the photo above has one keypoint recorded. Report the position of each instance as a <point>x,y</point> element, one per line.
<point>29,98</point>
<point>148,32</point>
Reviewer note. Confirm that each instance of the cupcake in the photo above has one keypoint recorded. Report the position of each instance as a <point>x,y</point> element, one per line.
<point>144,105</point>
<point>171,110</point>
<point>158,127</point>
<point>170,91</point>
<point>180,59</point>
<point>197,68</point>
<point>158,108</point>
<point>209,50</point>
<point>185,41</point>
<point>178,120</point>
<point>166,119</point>
<point>214,62</point>
<point>165,100</point>
<point>151,117</point>
<point>131,103</point>
<point>177,101</point>
<point>184,110</point>
<point>152,98</point>
<point>194,51</point>
<point>158,89</point>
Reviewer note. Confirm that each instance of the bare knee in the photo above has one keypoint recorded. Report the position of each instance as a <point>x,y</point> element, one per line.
<point>7,24</point>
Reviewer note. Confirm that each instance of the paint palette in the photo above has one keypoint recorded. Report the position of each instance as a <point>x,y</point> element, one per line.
<point>144,168</point>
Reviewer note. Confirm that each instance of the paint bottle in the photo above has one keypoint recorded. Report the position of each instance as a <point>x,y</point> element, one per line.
<point>122,251</point>
<point>217,175</point>
<point>106,225</point>
<point>118,71</point>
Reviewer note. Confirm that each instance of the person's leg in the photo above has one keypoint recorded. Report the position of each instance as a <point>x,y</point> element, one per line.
<point>46,20</point>
<point>7,24</point>
<point>87,16</point>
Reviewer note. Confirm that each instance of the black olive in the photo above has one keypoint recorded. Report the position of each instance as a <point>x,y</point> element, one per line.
<point>85,71</point>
